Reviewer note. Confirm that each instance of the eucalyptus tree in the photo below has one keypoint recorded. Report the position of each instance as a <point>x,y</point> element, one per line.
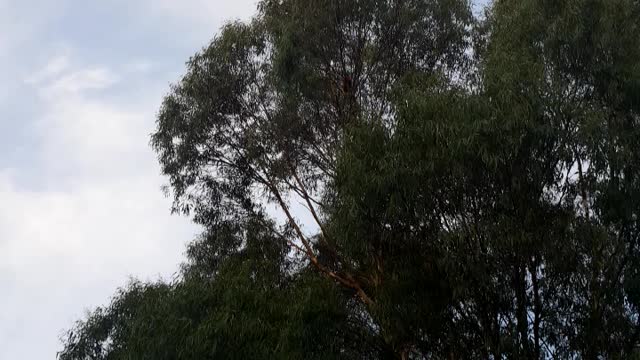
<point>264,112</point>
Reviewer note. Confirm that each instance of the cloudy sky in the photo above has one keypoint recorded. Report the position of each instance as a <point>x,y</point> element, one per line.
<point>80,203</point>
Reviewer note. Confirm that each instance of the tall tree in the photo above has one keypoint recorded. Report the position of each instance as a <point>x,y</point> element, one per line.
<point>267,106</point>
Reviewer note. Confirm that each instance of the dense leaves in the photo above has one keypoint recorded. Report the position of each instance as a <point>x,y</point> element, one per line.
<point>399,179</point>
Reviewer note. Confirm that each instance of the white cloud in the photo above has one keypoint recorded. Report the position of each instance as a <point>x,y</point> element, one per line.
<point>99,217</point>
<point>87,137</point>
<point>207,11</point>
<point>96,78</point>
<point>139,66</point>
<point>55,66</point>
<point>65,251</point>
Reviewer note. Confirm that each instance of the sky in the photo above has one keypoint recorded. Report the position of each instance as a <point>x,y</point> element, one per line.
<point>81,210</point>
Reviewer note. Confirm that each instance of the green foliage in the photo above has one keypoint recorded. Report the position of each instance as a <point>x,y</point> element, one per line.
<point>248,308</point>
<point>474,183</point>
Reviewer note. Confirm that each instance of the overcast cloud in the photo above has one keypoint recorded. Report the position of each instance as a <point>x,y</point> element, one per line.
<point>80,203</point>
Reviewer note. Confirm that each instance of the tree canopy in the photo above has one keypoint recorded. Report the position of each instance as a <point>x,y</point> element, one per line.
<point>399,180</point>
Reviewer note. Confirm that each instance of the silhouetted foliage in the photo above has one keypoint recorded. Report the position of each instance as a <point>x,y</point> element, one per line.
<point>470,187</point>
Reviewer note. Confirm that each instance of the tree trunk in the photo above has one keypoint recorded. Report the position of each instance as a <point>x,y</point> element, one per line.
<point>537,308</point>
<point>521,310</point>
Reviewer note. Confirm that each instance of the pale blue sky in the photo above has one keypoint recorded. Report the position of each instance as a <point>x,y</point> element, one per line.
<point>80,203</point>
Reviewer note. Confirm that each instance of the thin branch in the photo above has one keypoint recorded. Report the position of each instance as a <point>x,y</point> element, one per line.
<point>583,191</point>
<point>307,199</point>
<point>346,280</point>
